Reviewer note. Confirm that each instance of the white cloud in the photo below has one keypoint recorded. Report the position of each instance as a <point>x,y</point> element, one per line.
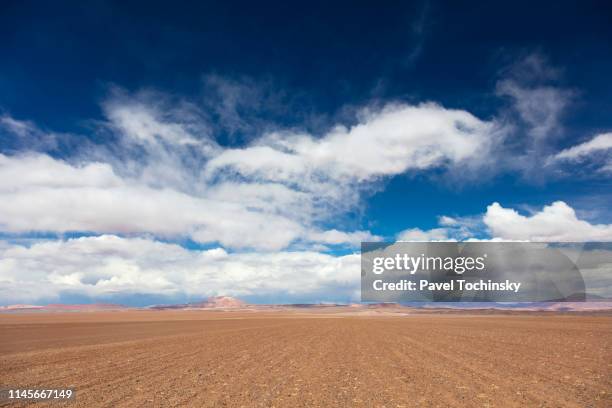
<point>447,221</point>
<point>40,193</point>
<point>93,198</point>
<point>165,175</point>
<point>151,117</point>
<point>20,135</point>
<point>607,168</point>
<point>555,222</point>
<point>391,141</point>
<point>419,235</point>
<point>41,171</point>
<point>600,144</point>
<point>335,237</point>
<point>109,265</point>
<point>450,229</point>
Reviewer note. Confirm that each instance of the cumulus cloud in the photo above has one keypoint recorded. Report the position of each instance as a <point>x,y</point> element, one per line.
<point>419,235</point>
<point>555,222</point>
<point>109,265</point>
<point>450,229</point>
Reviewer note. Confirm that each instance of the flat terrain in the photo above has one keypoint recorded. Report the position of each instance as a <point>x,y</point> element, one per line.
<point>211,358</point>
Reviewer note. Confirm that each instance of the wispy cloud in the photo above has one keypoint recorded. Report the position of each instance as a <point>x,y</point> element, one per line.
<point>595,151</point>
<point>538,100</point>
<point>418,33</point>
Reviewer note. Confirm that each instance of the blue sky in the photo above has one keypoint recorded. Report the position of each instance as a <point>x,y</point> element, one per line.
<point>154,152</point>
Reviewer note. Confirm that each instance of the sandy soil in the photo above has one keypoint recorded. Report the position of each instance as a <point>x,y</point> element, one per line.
<point>206,359</point>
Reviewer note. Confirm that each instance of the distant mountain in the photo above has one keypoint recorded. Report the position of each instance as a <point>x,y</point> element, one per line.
<point>231,303</point>
<point>214,302</point>
<point>224,302</point>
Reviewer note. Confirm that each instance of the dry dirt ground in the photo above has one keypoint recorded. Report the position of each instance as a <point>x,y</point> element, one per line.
<point>206,359</point>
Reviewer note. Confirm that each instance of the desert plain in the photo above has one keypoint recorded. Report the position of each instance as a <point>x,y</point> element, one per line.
<point>310,358</point>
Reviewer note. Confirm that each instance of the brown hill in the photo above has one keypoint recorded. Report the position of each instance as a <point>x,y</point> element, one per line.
<point>220,302</point>
<point>214,302</point>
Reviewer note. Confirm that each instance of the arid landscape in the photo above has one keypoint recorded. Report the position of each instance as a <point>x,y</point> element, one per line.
<point>305,204</point>
<point>312,356</point>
